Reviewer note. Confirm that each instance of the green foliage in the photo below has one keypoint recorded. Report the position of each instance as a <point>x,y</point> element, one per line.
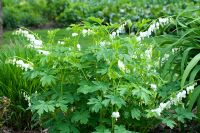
<point>65,12</point>
<point>80,85</point>
<point>111,83</point>
<point>13,85</point>
<point>183,114</point>
<point>183,62</point>
<point>103,87</point>
<point>21,13</point>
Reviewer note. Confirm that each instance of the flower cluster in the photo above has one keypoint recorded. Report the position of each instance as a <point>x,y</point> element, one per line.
<point>115,115</point>
<point>121,65</point>
<point>120,30</point>
<point>165,58</point>
<point>153,86</point>
<point>44,52</point>
<point>35,43</point>
<point>21,64</point>
<point>104,43</point>
<point>27,98</point>
<point>61,42</point>
<point>113,35</point>
<point>87,32</point>
<point>78,47</point>
<point>74,34</point>
<point>173,101</point>
<point>148,53</point>
<point>153,27</point>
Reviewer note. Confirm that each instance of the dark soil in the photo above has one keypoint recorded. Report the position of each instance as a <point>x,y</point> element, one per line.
<point>9,130</point>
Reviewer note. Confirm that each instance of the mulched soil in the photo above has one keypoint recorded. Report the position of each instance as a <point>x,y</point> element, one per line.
<point>9,130</point>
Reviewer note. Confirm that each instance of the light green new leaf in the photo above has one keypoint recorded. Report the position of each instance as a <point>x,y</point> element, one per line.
<point>98,20</point>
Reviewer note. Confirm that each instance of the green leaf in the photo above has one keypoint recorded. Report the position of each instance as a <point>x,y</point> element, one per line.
<point>85,89</point>
<point>106,102</point>
<point>183,114</point>
<point>121,129</point>
<point>195,95</point>
<point>194,73</point>
<point>188,69</point>
<point>184,58</point>
<point>98,20</point>
<point>102,129</point>
<point>142,93</point>
<point>168,122</point>
<point>97,104</point>
<point>43,106</point>
<point>62,104</point>
<point>136,113</point>
<point>80,116</point>
<point>115,100</point>
<point>100,85</point>
<point>34,74</point>
<point>48,80</point>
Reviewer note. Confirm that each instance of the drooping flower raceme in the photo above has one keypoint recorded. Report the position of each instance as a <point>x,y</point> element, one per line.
<point>174,101</point>
<point>113,35</point>
<point>104,43</point>
<point>190,89</point>
<point>79,47</point>
<point>115,115</point>
<point>61,42</point>
<point>35,43</point>
<point>27,98</point>
<point>121,65</point>
<point>87,32</point>
<point>21,64</point>
<point>152,28</point>
<point>44,52</point>
<point>120,30</point>
<point>153,86</point>
<point>165,58</point>
<point>74,34</point>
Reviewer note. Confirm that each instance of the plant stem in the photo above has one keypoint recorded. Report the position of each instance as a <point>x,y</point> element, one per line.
<point>113,122</point>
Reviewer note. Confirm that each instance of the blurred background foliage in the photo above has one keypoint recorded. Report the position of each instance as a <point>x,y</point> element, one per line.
<point>59,13</point>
